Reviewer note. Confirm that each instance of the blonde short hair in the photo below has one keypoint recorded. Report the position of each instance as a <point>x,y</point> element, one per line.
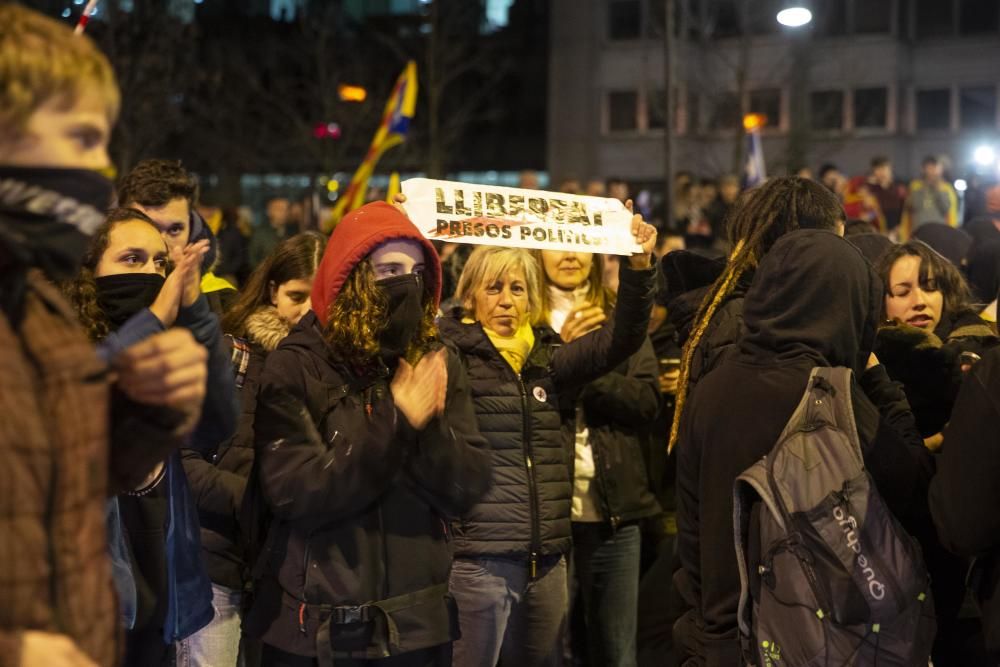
<point>487,264</point>
<point>40,61</point>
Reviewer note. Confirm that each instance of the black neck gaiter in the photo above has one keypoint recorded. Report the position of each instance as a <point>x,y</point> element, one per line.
<point>48,215</point>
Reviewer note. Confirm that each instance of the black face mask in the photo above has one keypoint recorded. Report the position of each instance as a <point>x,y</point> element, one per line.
<point>406,309</point>
<point>48,215</point>
<point>122,296</point>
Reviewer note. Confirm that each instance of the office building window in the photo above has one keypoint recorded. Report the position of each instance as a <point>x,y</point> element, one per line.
<point>760,14</point>
<point>767,101</point>
<point>656,105</point>
<point>623,111</point>
<point>831,18</point>
<point>977,107</point>
<point>871,108</point>
<point>722,19</point>
<point>935,18</point>
<point>872,16</point>
<point>692,115</point>
<point>725,112</point>
<point>978,17</point>
<point>624,19</point>
<point>826,110</point>
<point>934,109</point>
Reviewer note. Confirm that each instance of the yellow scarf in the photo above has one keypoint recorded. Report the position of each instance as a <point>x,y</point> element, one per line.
<point>514,349</point>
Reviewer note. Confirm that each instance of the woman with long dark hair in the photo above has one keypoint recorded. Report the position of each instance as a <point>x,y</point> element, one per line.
<point>932,323</point>
<point>274,299</point>
<point>931,337</point>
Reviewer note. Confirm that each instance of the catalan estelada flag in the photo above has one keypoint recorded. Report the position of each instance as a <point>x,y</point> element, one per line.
<point>754,171</point>
<point>391,132</point>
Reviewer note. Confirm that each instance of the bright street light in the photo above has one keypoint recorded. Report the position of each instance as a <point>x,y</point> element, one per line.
<point>984,156</point>
<point>961,185</point>
<point>794,17</point>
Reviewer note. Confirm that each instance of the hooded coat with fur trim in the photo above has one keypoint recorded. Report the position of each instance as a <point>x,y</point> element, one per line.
<point>218,484</point>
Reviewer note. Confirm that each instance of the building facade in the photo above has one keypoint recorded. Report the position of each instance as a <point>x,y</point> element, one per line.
<point>899,78</point>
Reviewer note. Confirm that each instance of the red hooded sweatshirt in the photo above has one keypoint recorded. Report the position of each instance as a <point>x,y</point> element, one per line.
<point>354,238</point>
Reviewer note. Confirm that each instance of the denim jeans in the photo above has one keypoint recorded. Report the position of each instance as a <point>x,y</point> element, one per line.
<point>218,643</point>
<point>507,618</point>
<point>606,566</point>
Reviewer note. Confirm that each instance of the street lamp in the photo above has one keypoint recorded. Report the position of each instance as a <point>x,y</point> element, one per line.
<point>794,16</point>
<point>984,156</point>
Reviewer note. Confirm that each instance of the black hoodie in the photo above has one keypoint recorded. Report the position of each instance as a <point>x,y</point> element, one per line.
<point>814,301</point>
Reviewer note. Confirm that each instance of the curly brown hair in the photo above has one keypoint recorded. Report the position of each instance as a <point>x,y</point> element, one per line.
<point>361,312</point>
<point>81,291</point>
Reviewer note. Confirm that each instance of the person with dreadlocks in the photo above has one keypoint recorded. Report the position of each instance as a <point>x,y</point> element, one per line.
<point>760,217</point>
<point>815,301</point>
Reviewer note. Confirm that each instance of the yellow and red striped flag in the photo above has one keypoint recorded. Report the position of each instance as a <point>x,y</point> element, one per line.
<point>396,119</point>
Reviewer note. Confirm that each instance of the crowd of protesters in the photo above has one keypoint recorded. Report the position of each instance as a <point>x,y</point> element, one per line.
<point>371,449</point>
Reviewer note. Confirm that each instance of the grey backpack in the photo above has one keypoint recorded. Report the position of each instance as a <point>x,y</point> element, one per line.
<point>828,576</point>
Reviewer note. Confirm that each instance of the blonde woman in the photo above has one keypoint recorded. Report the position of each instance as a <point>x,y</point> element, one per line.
<point>509,576</point>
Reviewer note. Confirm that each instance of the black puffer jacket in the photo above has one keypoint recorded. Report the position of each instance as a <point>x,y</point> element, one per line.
<point>218,484</point>
<point>527,512</point>
<point>618,409</point>
<point>358,553</point>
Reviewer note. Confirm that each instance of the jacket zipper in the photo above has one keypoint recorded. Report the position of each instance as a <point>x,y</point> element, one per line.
<point>173,620</point>
<point>602,482</point>
<point>529,465</point>
<point>305,586</point>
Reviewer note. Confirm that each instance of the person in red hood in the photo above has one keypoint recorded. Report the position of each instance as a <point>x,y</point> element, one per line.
<point>367,444</point>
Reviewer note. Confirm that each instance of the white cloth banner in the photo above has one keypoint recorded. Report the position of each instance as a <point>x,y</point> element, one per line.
<point>514,217</point>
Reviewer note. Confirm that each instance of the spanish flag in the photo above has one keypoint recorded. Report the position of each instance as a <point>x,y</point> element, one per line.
<point>391,132</point>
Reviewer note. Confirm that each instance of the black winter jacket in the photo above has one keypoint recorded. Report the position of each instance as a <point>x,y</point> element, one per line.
<point>358,554</point>
<point>618,409</point>
<point>526,514</point>
<point>965,496</point>
<point>218,483</point>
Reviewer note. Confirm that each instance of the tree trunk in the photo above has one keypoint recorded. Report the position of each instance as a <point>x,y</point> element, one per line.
<point>669,70</point>
<point>435,159</point>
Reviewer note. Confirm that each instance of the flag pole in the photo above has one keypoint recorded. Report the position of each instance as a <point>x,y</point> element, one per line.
<point>81,25</point>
